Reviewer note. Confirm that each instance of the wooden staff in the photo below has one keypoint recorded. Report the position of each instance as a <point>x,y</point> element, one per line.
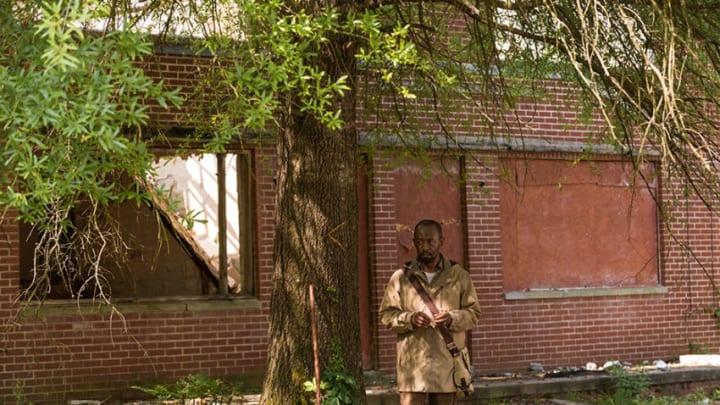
<point>313,322</point>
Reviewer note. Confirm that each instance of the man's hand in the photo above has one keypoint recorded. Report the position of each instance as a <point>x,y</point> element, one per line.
<point>421,320</point>
<point>442,318</point>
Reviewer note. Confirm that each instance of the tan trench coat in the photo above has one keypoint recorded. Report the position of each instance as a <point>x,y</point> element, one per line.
<point>424,363</point>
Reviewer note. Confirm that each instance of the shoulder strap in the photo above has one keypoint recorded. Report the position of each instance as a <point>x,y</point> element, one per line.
<point>447,336</point>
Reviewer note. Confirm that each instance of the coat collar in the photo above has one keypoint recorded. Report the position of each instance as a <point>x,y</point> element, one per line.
<point>444,264</point>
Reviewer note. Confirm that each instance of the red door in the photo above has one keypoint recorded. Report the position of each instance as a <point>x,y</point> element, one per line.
<point>437,195</point>
<point>422,191</point>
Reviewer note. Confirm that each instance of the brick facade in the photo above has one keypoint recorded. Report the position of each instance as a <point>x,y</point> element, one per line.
<point>60,352</point>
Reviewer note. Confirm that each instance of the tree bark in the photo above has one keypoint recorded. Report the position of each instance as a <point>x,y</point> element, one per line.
<point>315,243</point>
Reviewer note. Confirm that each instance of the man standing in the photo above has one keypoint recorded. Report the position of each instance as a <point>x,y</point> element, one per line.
<point>424,363</point>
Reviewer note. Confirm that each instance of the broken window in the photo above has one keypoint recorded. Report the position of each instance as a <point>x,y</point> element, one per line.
<point>218,232</point>
<point>185,241</point>
<point>569,224</point>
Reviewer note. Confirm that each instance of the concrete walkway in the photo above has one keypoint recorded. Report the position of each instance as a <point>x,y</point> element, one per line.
<point>671,381</point>
<point>675,379</point>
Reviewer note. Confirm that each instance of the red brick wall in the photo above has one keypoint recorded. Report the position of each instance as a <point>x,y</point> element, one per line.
<point>563,331</point>
<point>9,265</point>
<point>52,357</point>
<point>560,331</point>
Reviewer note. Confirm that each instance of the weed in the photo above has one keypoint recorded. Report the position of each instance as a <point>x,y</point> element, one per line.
<point>195,386</point>
<point>337,385</point>
<point>19,393</point>
<point>622,394</point>
<point>698,348</point>
<point>628,386</point>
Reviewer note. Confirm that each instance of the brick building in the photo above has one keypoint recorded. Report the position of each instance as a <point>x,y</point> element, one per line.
<point>572,259</point>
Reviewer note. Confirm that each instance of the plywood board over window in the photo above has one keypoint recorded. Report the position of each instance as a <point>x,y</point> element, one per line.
<point>577,224</point>
<point>429,190</point>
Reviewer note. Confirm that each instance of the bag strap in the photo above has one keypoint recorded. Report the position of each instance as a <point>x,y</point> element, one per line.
<point>446,335</point>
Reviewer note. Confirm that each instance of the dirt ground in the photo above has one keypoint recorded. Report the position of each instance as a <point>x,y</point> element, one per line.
<point>522,401</point>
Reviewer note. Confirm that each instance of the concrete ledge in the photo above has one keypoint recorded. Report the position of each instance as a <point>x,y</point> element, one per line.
<point>489,388</point>
<point>540,386</point>
<point>582,292</point>
<point>181,304</point>
<point>590,382</point>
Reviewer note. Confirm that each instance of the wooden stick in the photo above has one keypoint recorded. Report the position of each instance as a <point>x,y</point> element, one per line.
<point>313,321</point>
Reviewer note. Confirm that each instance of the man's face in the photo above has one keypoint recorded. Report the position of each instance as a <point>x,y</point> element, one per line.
<point>427,243</point>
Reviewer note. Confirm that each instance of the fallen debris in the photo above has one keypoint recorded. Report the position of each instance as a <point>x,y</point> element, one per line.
<point>700,360</point>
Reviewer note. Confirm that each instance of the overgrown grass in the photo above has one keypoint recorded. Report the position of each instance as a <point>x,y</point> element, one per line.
<point>193,387</point>
<point>628,388</point>
<point>633,388</point>
<point>695,398</point>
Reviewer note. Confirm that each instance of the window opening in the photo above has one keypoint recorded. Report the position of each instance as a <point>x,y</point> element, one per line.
<point>172,243</point>
<point>193,187</point>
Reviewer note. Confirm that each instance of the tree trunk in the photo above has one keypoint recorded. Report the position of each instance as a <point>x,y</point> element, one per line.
<point>315,243</point>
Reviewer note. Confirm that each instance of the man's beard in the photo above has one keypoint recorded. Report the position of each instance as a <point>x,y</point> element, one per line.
<point>426,258</point>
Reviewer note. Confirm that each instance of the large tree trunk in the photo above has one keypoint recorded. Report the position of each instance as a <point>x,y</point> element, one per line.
<point>315,243</point>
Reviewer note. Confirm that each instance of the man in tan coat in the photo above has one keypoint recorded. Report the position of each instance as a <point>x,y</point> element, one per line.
<point>424,363</point>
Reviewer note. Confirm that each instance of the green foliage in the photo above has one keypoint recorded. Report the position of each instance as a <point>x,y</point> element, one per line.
<point>694,398</point>
<point>73,101</point>
<point>194,386</point>
<point>337,388</point>
<point>187,217</point>
<point>389,53</point>
<point>628,386</point>
<point>19,395</point>
<point>288,60</point>
<point>337,385</point>
<point>278,59</point>
<point>698,348</point>
<point>714,310</point>
<point>72,104</point>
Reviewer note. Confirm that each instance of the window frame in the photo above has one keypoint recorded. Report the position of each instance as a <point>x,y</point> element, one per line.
<point>244,298</point>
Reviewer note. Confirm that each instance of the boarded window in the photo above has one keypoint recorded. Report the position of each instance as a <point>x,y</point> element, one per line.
<point>588,224</point>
